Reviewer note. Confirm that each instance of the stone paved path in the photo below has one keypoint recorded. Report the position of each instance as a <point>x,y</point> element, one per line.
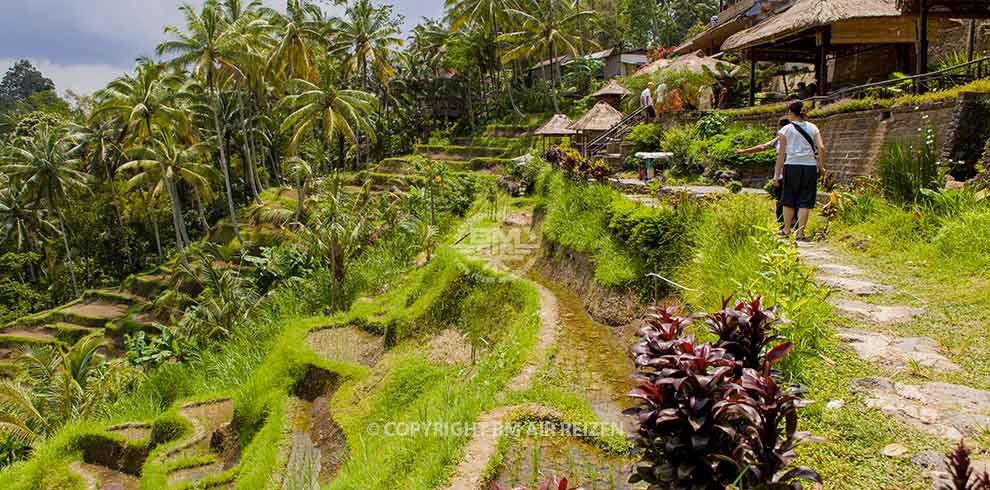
<point>948,411</point>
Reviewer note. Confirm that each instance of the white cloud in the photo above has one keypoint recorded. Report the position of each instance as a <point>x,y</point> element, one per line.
<point>82,79</point>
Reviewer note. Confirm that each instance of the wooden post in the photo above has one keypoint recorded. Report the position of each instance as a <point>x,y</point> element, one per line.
<point>921,65</point>
<point>752,77</point>
<point>971,40</point>
<point>823,39</point>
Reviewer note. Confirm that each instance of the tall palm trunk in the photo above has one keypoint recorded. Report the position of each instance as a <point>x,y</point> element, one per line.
<point>553,76</point>
<point>68,251</point>
<point>223,163</point>
<point>248,156</point>
<point>177,221</point>
<point>301,195</point>
<point>203,223</point>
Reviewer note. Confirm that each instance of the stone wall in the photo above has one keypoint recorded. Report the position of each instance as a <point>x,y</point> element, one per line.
<point>855,140</point>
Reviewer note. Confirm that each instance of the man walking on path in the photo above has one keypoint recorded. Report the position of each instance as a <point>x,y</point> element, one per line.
<point>773,144</point>
<point>800,161</point>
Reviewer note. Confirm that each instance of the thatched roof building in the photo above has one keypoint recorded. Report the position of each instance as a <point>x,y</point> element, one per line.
<point>602,117</point>
<point>884,23</point>
<point>612,88</point>
<point>693,62</point>
<point>558,125</point>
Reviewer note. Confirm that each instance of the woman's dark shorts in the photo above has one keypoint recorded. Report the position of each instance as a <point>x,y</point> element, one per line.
<point>800,186</point>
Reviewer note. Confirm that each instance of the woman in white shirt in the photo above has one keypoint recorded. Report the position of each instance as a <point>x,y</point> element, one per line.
<point>800,161</point>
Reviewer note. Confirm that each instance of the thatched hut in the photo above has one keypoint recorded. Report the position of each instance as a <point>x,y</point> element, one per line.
<point>856,40</point>
<point>694,62</point>
<point>557,127</point>
<point>612,92</point>
<point>599,119</point>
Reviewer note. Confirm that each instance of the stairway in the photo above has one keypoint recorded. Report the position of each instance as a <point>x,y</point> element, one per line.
<point>598,147</point>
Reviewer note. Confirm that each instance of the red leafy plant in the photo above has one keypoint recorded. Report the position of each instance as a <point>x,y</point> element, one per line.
<point>598,170</point>
<point>706,420</point>
<point>552,483</point>
<point>961,475</point>
<point>745,331</point>
<point>553,155</point>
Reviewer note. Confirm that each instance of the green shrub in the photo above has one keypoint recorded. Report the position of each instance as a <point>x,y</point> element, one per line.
<point>711,125</point>
<point>965,236</point>
<point>646,137</point>
<point>681,141</point>
<point>721,150</point>
<point>905,170</point>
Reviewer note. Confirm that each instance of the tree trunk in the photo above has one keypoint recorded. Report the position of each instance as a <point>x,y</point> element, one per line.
<point>177,221</point>
<point>226,169</point>
<point>248,157</point>
<point>301,195</point>
<point>553,64</point>
<point>68,252</point>
<point>203,223</point>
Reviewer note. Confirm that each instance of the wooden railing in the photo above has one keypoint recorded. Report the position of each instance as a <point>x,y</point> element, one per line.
<point>618,131</point>
<point>946,78</point>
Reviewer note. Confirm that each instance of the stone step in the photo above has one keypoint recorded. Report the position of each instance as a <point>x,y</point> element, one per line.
<point>876,313</point>
<point>945,410</point>
<point>897,353</point>
<point>840,269</point>
<point>859,287</point>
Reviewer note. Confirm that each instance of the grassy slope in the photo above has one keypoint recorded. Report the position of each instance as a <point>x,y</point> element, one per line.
<point>729,259</point>
<point>729,243</point>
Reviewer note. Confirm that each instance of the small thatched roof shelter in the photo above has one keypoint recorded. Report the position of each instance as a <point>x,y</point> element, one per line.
<point>613,87</point>
<point>612,92</point>
<point>558,125</point>
<point>693,62</point>
<point>602,117</point>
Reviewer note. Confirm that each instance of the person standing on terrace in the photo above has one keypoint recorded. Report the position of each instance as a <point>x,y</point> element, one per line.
<point>646,100</point>
<point>800,161</point>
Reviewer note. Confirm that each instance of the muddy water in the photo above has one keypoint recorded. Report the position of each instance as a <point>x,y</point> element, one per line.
<point>530,461</point>
<point>591,358</point>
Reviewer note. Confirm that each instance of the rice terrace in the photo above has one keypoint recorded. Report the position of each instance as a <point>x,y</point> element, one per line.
<point>495,245</point>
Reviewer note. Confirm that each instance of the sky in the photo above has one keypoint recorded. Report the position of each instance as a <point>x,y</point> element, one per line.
<point>83,44</point>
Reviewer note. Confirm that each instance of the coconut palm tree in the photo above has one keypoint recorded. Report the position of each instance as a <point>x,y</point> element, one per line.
<point>211,47</point>
<point>97,145</point>
<point>42,164</point>
<point>22,221</point>
<point>333,113</point>
<point>300,171</point>
<point>164,160</point>
<point>299,31</point>
<point>369,35</point>
<point>337,234</point>
<point>546,28</point>
<point>225,299</point>
<point>141,102</point>
<point>59,384</point>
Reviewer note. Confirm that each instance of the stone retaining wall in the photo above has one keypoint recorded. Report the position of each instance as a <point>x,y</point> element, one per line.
<point>855,140</point>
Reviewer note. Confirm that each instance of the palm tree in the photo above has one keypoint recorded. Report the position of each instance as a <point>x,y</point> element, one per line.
<point>369,35</point>
<point>164,160</point>
<point>226,298</point>
<point>546,29</point>
<point>141,102</point>
<point>59,385</point>
<point>324,108</point>
<point>211,46</point>
<point>42,164</point>
<point>486,15</point>
<point>337,234</point>
<point>300,171</point>
<point>22,220</point>
<point>98,146</point>
<point>301,29</point>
